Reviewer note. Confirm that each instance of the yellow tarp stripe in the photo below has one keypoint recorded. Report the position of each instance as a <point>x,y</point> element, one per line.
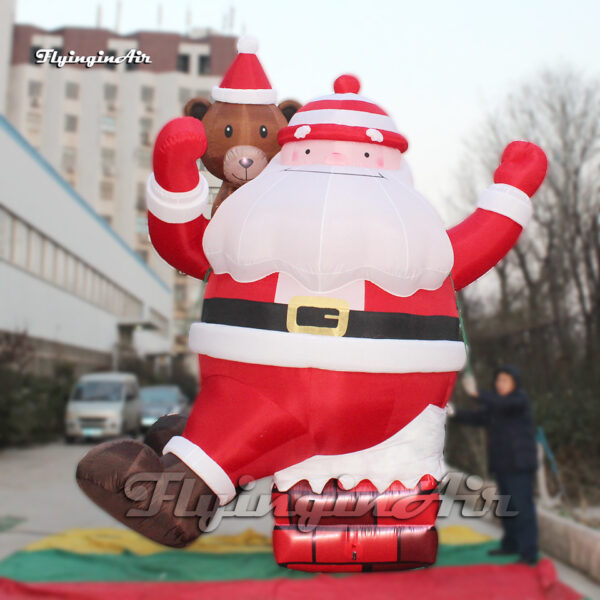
<point>117,541</point>
<point>458,535</point>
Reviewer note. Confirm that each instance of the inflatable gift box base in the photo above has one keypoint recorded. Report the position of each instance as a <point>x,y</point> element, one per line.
<point>359,529</point>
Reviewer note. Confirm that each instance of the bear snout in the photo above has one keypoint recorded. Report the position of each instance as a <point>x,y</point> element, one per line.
<point>243,163</point>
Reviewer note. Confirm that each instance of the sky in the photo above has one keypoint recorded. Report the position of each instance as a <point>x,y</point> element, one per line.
<point>438,66</point>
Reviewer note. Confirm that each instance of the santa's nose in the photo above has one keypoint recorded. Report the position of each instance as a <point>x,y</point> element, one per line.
<point>246,162</point>
<point>335,158</point>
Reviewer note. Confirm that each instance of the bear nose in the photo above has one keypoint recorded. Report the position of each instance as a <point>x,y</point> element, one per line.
<point>246,162</point>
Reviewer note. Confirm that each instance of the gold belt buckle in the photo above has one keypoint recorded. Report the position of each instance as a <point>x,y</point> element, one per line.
<point>342,307</point>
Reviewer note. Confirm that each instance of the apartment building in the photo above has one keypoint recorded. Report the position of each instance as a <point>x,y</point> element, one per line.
<point>69,282</point>
<point>96,126</point>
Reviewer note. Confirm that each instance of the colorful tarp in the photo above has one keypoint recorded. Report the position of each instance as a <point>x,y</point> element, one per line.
<point>111,563</point>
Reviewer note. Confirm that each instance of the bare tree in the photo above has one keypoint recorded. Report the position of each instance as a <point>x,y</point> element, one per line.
<point>546,313</point>
<point>553,275</point>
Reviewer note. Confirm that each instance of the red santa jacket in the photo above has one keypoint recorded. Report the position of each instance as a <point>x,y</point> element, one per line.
<point>366,329</point>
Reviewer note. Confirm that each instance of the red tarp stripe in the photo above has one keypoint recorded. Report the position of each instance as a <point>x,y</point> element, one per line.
<point>492,582</point>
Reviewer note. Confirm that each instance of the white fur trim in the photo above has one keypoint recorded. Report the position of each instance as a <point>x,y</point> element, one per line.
<point>204,466</point>
<point>176,207</point>
<point>247,44</point>
<point>407,456</point>
<point>507,200</point>
<point>353,118</point>
<point>303,350</point>
<point>235,96</point>
<point>375,135</point>
<point>302,131</point>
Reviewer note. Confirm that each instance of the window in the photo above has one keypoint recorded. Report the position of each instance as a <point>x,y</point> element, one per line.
<point>110,92</point>
<point>203,64</point>
<point>69,158</point>
<point>145,158</point>
<point>141,224</point>
<point>70,123</point>
<point>81,277</point>
<point>108,124</point>
<point>183,63</point>
<point>108,162</point>
<point>72,90</point>
<point>6,226</point>
<point>48,260</point>
<point>107,190</point>
<point>147,94</point>
<point>70,272</point>
<point>34,88</point>
<point>20,244</point>
<point>34,122</point>
<point>59,266</point>
<point>32,52</point>
<point>110,65</point>
<point>36,247</point>
<point>145,131</point>
<point>89,285</point>
<point>131,66</point>
<point>141,196</point>
<point>179,293</point>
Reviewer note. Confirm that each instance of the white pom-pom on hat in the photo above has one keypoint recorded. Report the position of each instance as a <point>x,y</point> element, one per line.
<point>247,44</point>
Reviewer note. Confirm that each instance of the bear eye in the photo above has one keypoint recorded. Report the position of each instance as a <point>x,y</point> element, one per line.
<point>228,131</point>
<point>367,155</point>
<point>263,131</point>
<point>307,151</point>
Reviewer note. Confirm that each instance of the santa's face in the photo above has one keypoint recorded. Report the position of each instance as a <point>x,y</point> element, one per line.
<point>341,212</point>
<point>326,152</point>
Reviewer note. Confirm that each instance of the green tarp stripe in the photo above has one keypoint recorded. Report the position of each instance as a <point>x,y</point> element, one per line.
<point>58,565</point>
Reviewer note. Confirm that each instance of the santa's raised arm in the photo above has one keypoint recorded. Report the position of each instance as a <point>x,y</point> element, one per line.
<point>503,211</point>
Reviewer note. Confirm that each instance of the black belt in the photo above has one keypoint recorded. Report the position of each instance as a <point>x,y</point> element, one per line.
<point>312,315</point>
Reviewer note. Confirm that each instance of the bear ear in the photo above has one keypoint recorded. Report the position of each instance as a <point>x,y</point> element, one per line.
<point>289,108</point>
<point>196,107</point>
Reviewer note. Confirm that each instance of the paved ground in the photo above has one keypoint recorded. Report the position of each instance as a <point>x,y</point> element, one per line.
<point>37,485</point>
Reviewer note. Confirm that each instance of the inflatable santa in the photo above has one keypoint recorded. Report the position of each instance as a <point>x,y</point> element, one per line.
<point>329,340</point>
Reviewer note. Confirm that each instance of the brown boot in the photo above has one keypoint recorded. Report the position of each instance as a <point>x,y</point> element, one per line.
<point>163,430</point>
<point>159,497</point>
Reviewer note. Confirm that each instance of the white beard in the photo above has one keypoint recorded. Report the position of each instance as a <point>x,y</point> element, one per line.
<point>327,226</point>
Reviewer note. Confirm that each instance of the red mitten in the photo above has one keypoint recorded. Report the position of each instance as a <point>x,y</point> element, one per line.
<point>178,145</point>
<point>523,165</point>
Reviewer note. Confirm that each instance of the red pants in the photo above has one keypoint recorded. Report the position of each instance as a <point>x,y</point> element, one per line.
<point>257,419</point>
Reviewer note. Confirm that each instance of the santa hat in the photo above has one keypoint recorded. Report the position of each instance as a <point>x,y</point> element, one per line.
<point>245,81</point>
<point>345,116</point>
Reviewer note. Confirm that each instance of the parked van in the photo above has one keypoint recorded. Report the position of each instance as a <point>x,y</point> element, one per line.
<point>104,405</point>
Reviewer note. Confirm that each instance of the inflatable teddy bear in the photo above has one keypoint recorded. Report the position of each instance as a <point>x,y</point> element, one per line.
<point>329,341</point>
<point>242,124</point>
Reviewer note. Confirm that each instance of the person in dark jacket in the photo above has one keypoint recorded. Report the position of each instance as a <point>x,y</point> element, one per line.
<point>512,456</point>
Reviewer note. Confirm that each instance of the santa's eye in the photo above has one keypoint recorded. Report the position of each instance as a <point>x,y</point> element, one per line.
<point>228,131</point>
<point>263,131</point>
<point>367,155</point>
<point>307,151</point>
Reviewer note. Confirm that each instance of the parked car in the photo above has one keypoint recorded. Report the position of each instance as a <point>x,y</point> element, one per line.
<point>159,400</point>
<point>104,405</point>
